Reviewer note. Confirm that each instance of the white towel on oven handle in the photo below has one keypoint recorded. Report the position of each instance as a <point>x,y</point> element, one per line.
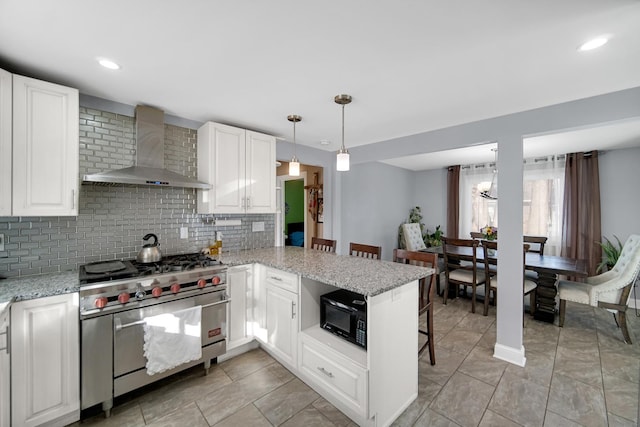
<point>171,339</point>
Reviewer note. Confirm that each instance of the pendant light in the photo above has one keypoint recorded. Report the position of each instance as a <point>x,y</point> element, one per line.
<point>492,193</point>
<point>294,164</point>
<point>342,161</point>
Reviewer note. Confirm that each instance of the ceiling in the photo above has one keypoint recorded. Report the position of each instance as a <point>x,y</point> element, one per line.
<point>410,66</point>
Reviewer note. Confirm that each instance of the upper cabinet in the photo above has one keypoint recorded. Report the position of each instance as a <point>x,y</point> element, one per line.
<point>5,143</point>
<point>240,166</point>
<point>43,119</point>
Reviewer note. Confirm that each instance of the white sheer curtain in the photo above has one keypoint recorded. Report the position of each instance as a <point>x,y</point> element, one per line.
<point>543,188</point>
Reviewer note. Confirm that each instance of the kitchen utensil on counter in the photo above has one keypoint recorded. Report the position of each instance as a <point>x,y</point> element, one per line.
<point>150,252</point>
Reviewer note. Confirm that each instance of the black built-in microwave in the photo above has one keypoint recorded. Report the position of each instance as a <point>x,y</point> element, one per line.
<point>344,313</point>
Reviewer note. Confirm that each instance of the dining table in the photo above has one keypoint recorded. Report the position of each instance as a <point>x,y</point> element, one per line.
<point>548,267</point>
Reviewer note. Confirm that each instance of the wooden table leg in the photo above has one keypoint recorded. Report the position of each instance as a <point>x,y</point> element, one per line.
<point>546,295</point>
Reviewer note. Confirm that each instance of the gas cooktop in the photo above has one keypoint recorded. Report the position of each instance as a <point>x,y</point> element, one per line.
<point>102,271</point>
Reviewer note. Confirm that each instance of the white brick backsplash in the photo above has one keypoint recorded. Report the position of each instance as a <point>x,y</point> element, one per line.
<point>113,219</point>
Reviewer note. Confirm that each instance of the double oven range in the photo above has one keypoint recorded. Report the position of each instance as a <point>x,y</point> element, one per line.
<point>116,297</point>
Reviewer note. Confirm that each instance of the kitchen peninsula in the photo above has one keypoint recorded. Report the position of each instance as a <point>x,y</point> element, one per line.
<point>282,310</point>
<point>275,300</point>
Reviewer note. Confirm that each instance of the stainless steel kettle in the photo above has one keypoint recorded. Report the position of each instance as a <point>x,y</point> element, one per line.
<point>150,252</point>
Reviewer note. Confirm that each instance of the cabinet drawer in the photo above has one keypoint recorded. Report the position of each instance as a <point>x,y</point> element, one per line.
<point>282,279</point>
<point>346,380</point>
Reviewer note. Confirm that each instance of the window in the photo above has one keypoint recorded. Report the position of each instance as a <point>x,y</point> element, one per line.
<point>543,189</point>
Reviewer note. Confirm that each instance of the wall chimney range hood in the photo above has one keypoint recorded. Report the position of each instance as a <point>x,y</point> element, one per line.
<point>149,168</point>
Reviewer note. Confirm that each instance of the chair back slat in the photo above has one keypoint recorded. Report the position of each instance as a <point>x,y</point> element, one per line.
<point>325,245</point>
<point>365,251</point>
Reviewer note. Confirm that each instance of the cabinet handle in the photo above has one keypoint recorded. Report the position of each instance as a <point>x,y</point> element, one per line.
<point>248,202</point>
<point>324,371</point>
<point>293,310</point>
<point>6,332</point>
<point>275,278</point>
<point>73,199</point>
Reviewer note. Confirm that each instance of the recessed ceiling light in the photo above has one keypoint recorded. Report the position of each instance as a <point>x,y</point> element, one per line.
<point>107,63</point>
<point>593,43</point>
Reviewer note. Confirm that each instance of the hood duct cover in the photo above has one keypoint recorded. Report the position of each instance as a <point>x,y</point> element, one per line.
<point>149,168</point>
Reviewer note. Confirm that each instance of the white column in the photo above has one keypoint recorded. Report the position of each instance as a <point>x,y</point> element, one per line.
<point>509,345</point>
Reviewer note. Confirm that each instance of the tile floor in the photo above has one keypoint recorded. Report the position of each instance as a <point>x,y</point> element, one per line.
<point>579,375</point>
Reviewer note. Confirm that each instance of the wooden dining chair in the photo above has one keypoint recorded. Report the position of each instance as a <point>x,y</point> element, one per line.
<point>476,235</point>
<point>325,245</point>
<point>365,251</point>
<point>536,243</point>
<point>528,286</point>
<point>426,292</point>
<point>461,269</point>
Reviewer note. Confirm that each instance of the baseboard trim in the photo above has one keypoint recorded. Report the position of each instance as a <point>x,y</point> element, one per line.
<point>510,354</point>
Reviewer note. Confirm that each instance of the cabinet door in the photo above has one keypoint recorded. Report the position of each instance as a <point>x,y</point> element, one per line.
<point>221,163</point>
<point>261,173</point>
<point>282,324</point>
<point>45,148</point>
<point>5,390</point>
<point>5,143</point>
<point>45,372</point>
<point>238,284</point>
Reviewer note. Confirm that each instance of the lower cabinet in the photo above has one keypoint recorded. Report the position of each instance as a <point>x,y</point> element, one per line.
<point>45,355</point>
<point>335,373</point>
<point>5,390</point>
<point>239,280</point>
<point>282,324</point>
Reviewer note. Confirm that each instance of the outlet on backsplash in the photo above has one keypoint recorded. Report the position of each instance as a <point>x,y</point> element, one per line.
<point>2,243</point>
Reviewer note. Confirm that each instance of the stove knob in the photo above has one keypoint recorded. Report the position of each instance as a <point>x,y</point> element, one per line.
<point>215,280</point>
<point>175,288</point>
<point>202,283</point>
<point>101,302</point>
<point>140,294</point>
<point>156,291</point>
<point>123,298</point>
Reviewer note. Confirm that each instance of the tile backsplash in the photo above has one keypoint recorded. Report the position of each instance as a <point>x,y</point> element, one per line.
<point>113,219</point>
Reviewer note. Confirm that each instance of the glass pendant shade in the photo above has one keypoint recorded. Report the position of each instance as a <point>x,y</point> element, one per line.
<point>294,167</point>
<point>294,164</point>
<point>342,159</point>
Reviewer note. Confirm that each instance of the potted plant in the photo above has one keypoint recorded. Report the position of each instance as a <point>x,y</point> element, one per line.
<point>435,238</point>
<point>611,253</point>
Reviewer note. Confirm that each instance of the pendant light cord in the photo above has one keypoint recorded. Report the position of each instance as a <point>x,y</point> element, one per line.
<point>343,127</point>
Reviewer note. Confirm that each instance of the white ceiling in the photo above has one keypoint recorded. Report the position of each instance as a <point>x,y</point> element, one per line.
<point>410,66</point>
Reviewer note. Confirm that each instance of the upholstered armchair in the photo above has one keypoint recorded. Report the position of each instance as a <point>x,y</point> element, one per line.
<point>412,237</point>
<point>609,290</point>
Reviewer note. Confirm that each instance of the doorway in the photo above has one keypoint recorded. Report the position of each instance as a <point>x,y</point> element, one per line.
<point>291,224</point>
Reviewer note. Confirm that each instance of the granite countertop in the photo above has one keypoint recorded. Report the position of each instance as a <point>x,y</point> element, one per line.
<point>361,275</point>
<point>364,276</point>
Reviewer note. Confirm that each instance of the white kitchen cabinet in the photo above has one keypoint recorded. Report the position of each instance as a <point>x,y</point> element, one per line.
<point>5,390</point>
<point>45,353</point>
<point>45,148</point>
<point>39,149</point>
<point>239,281</point>
<point>355,380</point>
<point>240,166</point>
<point>281,313</point>
<point>5,142</point>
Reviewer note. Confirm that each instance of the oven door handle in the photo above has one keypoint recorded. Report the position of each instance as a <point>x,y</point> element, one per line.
<point>117,324</point>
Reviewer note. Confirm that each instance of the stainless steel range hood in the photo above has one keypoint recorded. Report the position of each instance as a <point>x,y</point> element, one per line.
<point>149,168</point>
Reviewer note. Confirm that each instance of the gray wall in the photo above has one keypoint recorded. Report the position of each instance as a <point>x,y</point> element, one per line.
<point>376,199</point>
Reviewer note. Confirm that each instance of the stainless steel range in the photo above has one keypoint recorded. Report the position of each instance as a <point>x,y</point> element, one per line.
<point>115,299</point>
